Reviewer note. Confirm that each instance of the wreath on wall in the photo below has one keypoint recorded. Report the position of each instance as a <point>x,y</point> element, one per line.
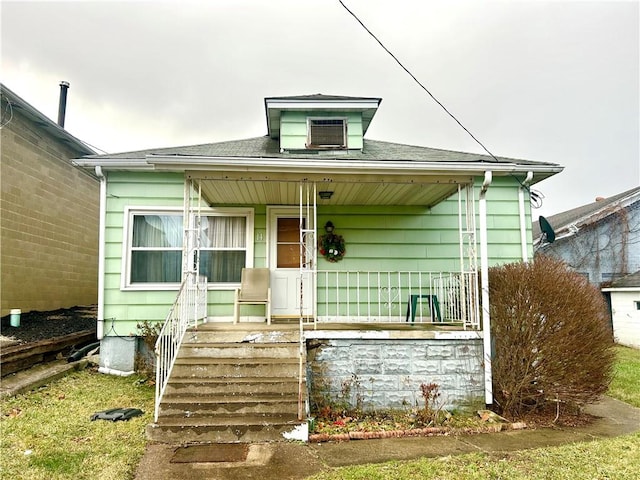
<point>331,245</point>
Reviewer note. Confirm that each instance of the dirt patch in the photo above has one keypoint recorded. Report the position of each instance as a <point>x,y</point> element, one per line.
<point>36,326</point>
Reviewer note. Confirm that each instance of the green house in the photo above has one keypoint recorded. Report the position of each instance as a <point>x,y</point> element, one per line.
<point>374,249</point>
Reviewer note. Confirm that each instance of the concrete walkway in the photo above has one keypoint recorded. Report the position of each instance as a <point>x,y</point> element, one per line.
<point>298,461</point>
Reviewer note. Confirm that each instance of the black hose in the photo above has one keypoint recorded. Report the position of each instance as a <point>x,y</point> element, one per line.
<point>81,352</point>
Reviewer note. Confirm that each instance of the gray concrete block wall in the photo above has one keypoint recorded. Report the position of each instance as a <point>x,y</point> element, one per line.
<point>388,373</point>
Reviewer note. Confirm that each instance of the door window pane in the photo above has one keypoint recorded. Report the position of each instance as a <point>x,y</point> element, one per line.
<point>288,243</point>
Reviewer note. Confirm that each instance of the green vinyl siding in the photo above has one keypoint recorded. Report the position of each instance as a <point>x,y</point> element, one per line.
<point>293,128</point>
<point>125,309</point>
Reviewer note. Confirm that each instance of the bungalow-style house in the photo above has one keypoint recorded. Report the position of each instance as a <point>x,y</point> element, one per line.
<point>599,240</point>
<point>625,309</point>
<point>372,252</point>
<point>48,213</point>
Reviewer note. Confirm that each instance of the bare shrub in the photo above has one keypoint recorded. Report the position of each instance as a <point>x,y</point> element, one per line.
<point>552,343</point>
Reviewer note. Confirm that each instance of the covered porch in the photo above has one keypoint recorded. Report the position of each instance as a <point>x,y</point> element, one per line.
<point>315,290</point>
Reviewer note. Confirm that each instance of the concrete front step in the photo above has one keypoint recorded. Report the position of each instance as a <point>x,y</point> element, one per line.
<point>235,367</point>
<point>239,350</point>
<point>233,383</point>
<point>233,386</point>
<point>235,335</point>
<point>205,406</point>
<point>224,429</point>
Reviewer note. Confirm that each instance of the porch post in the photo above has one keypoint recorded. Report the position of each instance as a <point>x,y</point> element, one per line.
<point>484,285</point>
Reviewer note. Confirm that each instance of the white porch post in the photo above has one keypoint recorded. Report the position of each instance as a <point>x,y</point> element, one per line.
<point>523,227</point>
<point>484,279</point>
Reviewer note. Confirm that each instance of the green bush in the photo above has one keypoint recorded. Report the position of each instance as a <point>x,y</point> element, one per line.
<point>551,339</point>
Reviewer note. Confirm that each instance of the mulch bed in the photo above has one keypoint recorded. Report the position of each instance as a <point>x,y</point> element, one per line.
<point>37,326</point>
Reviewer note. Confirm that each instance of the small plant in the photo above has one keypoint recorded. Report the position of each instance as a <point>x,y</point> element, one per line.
<point>145,359</point>
<point>430,413</point>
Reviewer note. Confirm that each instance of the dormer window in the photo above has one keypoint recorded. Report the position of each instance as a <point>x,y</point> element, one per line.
<point>326,133</point>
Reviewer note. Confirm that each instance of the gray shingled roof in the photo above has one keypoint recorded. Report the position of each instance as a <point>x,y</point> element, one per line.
<point>632,280</point>
<point>265,147</point>
<point>563,220</point>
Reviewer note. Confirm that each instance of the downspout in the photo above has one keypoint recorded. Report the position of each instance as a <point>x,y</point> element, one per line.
<point>101,249</point>
<point>523,227</point>
<point>484,285</point>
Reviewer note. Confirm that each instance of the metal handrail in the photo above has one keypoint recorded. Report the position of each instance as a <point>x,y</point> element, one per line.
<point>189,307</point>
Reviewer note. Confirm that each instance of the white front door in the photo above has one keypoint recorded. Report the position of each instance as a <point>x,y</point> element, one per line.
<point>288,288</point>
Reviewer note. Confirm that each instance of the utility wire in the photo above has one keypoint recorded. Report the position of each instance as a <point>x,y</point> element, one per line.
<point>536,197</point>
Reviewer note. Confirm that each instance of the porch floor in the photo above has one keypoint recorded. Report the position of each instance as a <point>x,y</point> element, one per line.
<point>342,329</point>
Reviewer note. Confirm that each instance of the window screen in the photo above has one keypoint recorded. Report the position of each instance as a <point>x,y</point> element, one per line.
<point>324,133</point>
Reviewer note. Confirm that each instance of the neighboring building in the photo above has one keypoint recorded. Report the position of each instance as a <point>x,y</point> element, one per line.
<point>400,305</point>
<point>625,308</point>
<point>48,214</point>
<point>599,240</point>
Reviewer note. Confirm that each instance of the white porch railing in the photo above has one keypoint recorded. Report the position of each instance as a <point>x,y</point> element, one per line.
<point>189,307</point>
<point>387,297</point>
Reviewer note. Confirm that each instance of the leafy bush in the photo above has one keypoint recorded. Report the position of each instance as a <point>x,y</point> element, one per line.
<point>551,339</point>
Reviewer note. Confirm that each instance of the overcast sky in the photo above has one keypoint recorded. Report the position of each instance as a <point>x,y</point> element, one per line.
<point>554,81</point>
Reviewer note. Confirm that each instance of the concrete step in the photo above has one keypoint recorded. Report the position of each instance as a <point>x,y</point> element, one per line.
<point>239,350</point>
<point>235,367</point>
<point>229,334</point>
<point>205,406</point>
<point>236,386</point>
<point>223,429</point>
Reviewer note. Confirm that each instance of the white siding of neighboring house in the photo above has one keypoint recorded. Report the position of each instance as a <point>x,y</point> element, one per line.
<point>626,317</point>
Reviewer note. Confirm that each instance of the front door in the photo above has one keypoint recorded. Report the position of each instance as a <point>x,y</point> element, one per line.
<point>289,289</point>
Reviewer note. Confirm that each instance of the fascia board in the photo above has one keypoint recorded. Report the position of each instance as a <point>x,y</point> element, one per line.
<point>121,164</point>
<point>257,164</point>
<point>322,105</point>
<point>184,163</point>
<point>621,289</point>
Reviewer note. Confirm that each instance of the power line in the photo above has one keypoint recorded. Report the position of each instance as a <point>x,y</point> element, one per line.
<point>536,197</point>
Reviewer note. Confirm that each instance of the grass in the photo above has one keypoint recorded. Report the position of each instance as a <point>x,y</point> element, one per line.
<point>626,381</point>
<point>48,433</point>
<point>614,458</point>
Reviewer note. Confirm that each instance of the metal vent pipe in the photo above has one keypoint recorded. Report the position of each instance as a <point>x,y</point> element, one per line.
<point>62,106</point>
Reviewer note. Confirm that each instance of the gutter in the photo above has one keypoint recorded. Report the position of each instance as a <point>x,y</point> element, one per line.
<point>101,250</point>
<point>484,285</point>
<point>523,227</point>
<point>311,165</point>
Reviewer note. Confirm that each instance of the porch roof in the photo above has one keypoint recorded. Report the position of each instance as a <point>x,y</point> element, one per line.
<point>255,171</point>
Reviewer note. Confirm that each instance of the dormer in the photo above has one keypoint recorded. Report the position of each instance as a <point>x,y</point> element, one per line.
<point>319,123</point>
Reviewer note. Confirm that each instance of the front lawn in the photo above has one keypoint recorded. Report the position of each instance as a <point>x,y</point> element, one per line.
<point>48,434</point>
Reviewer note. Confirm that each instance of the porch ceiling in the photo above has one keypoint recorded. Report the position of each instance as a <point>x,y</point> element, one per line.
<point>372,191</point>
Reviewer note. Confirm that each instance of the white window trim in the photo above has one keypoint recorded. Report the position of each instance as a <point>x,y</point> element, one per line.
<point>127,240</point>
<point>328,147</point>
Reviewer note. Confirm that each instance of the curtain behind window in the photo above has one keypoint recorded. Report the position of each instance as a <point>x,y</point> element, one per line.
<point>223,246</point>
<point>156,255</point>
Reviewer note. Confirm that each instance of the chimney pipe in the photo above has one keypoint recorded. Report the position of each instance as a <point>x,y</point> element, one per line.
<point>62,106</point>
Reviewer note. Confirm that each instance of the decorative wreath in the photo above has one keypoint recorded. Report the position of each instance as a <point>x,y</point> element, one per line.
<point>332,247</point>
